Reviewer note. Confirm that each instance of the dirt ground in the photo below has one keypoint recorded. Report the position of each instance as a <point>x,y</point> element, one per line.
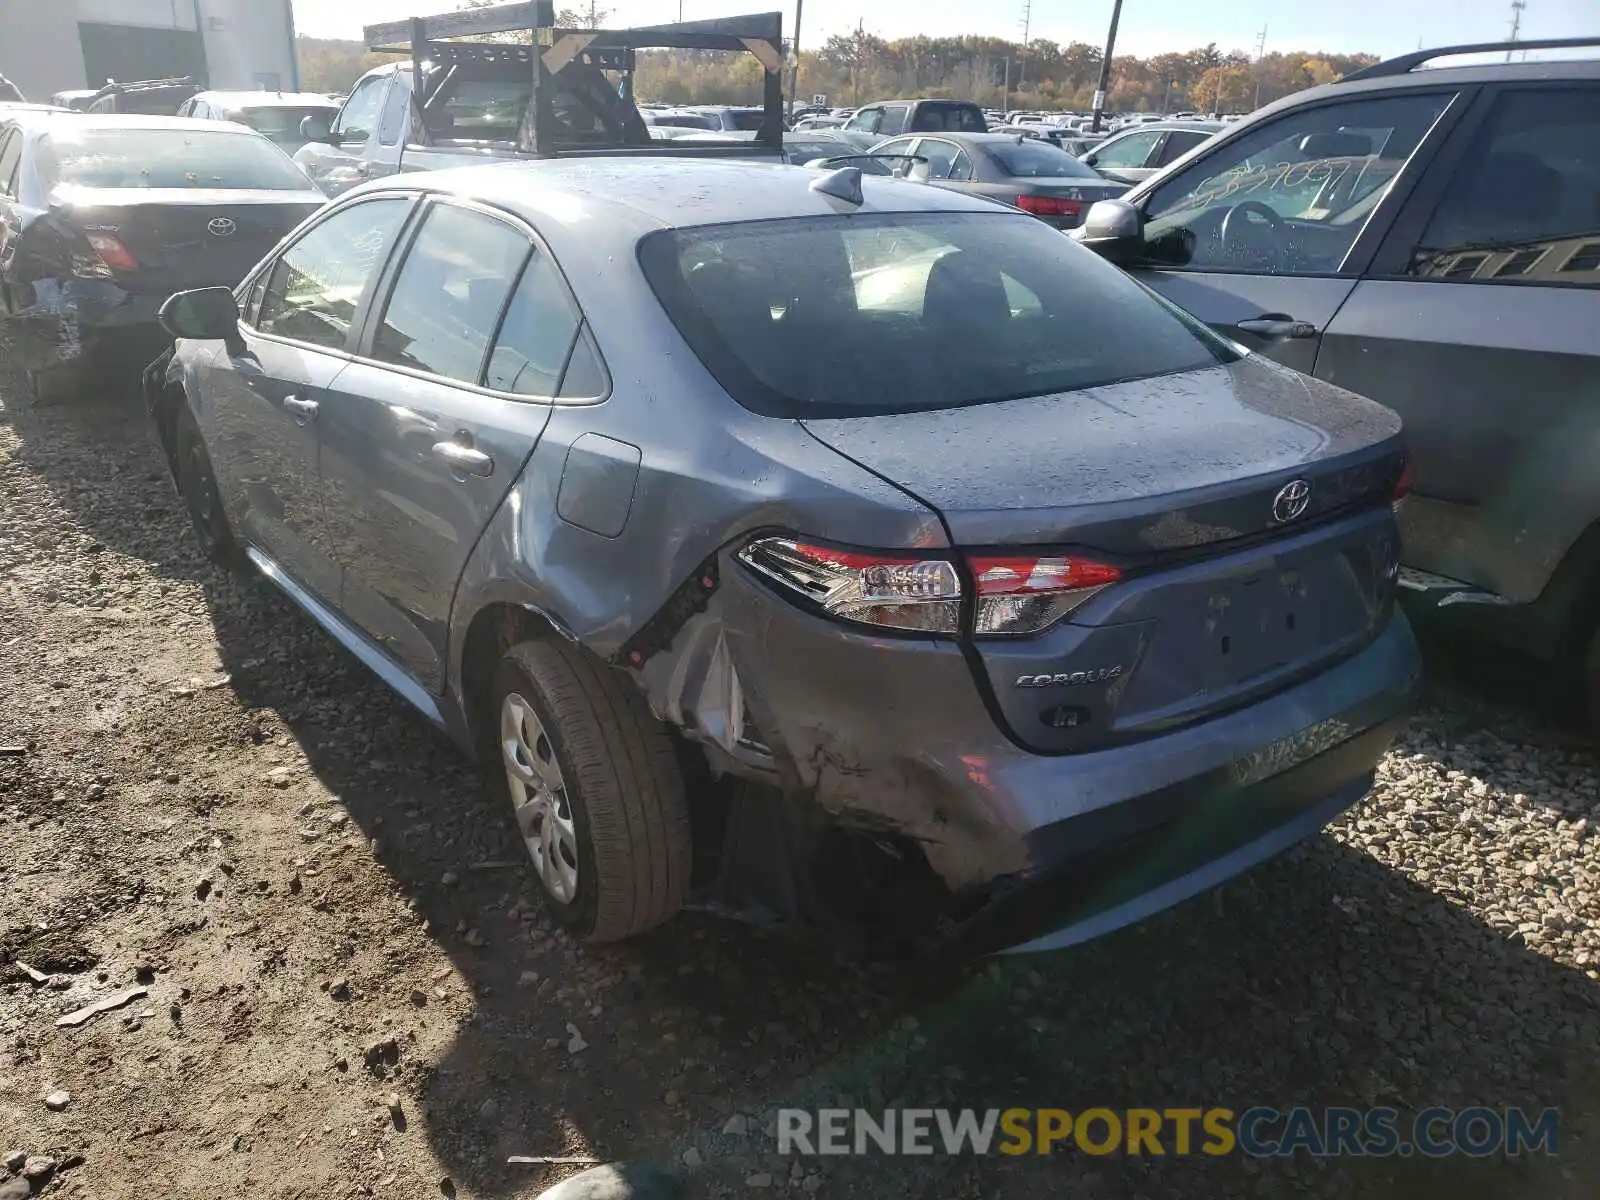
<point>348,987</point>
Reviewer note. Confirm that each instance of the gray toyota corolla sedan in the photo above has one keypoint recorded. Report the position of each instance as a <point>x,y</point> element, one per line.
<point>854,547</point>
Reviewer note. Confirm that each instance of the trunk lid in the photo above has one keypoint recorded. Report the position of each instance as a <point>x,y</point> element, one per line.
<point>1186,483</point>
<point>185,238</point>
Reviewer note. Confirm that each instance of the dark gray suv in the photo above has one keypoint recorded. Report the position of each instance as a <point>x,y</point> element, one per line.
<point>1003,597</point>
<point>1429,238</point>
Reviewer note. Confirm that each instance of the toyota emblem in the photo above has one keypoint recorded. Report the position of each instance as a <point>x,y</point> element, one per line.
<point>221,227</point>
<point>1291,501</point>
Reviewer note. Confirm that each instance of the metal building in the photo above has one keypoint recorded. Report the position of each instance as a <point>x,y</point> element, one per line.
<point>58,45</point>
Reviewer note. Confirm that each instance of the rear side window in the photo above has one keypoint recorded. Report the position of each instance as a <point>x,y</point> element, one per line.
<point>536,338</point>
<point>933,117</point>
<point>1523,208</point>
<point>317,284</point>
<point>842,316</point>
<point>450,292</point>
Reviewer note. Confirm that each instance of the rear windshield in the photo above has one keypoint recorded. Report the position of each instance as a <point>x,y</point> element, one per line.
<point>683,121</point>
<point>1038,160</point>
<point>932,117</point>
<point>748,120</point>
<point>281,123</point>
<point>896,312</point>
<point>167,158</point>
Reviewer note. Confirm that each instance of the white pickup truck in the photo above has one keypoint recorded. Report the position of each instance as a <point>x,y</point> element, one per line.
<point>554,92</point>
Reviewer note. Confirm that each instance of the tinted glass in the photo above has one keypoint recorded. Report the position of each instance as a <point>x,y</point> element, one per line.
<point>894,118</point>
<point>946,160</point>
<point>1179,142</point>
<point>450,292</point>
<point>1523,207</point>
<point>167,158</point>
<point>360,112</point>
<point>1037,160</point>
<point>1292,195</point>
<point>933,116</point>
<point>747,120</point>
<point>836,316</point>
<point>683,121</point>
<point>531,351</point>
<point>281,124</point>
<point>317,284</point>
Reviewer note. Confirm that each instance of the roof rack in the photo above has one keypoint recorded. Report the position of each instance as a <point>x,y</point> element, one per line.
<point>118,89</point>
<point>428,40</point>
<point>1407,63</point>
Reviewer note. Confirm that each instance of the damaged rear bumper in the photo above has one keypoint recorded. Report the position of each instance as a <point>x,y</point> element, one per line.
<point>73,321</point>
<point>891,736</point>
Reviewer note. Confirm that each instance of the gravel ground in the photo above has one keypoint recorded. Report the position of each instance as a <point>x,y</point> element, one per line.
<point>349,989</point>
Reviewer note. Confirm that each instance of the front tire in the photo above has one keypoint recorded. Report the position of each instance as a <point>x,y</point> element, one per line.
<point>201,496</point>
<point>594,782</point>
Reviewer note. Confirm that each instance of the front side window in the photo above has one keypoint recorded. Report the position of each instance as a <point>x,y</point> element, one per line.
<point>868,120</point>
<point>915,310</point>
<point>316,285</point>
<point>536,337</point>
<point>1292,196</point>
<point>1130,151</point>
<point>1523,206</point>
<point>450,293</point>
<point>894,118</point>
<point>359,116</point>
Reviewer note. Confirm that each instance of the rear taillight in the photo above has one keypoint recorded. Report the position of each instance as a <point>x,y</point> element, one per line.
<point>113,254</point>
<point>1024,594</point>
<point>1016,594</point>
<point>894,591</point>
<point>1050,206</point>
<point>1407,480</point>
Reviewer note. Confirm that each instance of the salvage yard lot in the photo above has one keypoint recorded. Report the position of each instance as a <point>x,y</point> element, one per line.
<point>350,988</point>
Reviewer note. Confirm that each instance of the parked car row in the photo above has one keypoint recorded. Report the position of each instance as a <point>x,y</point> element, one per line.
<point>865,547</point>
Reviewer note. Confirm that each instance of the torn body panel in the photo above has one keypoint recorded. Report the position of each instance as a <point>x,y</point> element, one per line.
<point>68,316</point>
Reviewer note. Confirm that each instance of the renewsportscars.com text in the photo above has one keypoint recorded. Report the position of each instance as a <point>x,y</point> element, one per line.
<point>1259,1131</point>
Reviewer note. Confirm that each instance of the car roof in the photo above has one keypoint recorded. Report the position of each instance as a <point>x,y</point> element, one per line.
<point>1147,126</point>
<point>572,201</point>
<point>267,99</point>
<point>141,121</point>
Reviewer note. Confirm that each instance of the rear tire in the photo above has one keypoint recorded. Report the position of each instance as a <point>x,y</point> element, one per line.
<point>201,496</point>
<point>594,781</point>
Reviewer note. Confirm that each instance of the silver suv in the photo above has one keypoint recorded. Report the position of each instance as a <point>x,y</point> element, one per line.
<point>1431,239</point>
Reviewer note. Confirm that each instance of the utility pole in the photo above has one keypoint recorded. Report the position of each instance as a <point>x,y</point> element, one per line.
<point>794,48</point>
<point>1105,68</point>
<point>1022,57</point>
<point>1261,49</point>
<point>1516,22</point>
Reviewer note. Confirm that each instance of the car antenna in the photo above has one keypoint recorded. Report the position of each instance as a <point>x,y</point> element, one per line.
<point>842,183</point>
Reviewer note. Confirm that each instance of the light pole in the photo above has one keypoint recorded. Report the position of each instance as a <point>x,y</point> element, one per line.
<point>1105,68</point>
<point>794,48</point>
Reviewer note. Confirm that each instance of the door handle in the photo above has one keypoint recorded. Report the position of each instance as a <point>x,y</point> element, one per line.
<point>1278,327</point>
<point>301,410</point>
<point>466,459</point>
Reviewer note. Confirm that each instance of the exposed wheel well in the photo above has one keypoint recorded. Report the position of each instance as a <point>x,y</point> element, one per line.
<point>494,629</point>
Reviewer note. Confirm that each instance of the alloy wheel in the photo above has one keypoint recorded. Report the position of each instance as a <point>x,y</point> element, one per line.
<point>539,795</point>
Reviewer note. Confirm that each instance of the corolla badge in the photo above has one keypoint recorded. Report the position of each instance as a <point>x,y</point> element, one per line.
<point>1291,501</point>
<point>1070,678</point>
<point>221,227</point>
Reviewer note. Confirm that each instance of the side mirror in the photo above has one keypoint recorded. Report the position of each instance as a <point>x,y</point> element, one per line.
<point>315,129</point>
<point>206,314</point>
<point>1089,159</point>
<point>1113,229</point>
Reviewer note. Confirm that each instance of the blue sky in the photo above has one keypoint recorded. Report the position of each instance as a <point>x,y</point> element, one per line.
<point>1384,27</point>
